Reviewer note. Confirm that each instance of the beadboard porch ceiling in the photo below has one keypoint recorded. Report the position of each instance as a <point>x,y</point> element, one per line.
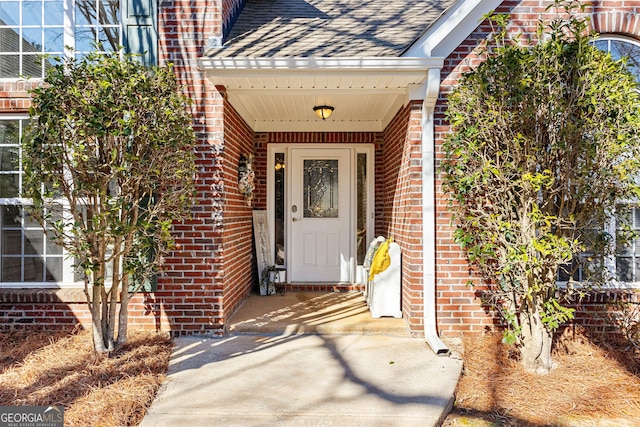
<point>278,95</point>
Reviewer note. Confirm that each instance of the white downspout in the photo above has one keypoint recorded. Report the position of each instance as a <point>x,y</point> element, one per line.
<point>428,213</point>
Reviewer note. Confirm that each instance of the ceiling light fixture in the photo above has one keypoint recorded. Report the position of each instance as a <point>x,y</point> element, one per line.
<point>323,111</point>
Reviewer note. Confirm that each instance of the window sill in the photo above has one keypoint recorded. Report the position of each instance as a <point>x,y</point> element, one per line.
<point>39,295</point>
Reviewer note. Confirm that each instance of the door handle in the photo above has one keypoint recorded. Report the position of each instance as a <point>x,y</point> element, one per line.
<point>294,219</point>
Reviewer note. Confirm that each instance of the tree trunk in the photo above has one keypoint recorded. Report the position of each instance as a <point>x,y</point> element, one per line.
<point>96,320</point>
<point>123,316</point>
<point>535,344</point>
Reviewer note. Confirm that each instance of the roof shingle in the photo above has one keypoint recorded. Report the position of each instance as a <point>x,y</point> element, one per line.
<point>328,28</point>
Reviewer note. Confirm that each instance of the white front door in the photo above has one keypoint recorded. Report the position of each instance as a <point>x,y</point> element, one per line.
<point>321,215</point>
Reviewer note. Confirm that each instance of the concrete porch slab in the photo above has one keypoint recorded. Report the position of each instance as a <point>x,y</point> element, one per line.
<point>322,369</point>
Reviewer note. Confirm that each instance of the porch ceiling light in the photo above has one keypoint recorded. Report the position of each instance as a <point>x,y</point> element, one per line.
<point>323,111</point>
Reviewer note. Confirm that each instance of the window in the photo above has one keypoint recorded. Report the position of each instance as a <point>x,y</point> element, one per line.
<point>628,255</point>
<point>32,28</point>
<point>26,254</point>
<point>622,47</point>
<point>278,205</point>
<point>625,266</point>
<point>627,260</point>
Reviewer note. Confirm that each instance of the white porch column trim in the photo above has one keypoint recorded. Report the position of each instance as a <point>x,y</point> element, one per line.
<point>428,213</point>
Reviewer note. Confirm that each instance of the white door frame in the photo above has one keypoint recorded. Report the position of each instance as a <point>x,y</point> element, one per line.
<point>357,274</point>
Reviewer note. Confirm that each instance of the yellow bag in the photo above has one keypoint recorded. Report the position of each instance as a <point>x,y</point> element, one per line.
<point>381,260</point>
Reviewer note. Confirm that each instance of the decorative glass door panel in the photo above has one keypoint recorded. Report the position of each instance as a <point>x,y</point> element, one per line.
<point>321,191</point>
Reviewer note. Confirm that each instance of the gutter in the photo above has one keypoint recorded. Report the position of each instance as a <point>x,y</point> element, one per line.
<point>428,214</point>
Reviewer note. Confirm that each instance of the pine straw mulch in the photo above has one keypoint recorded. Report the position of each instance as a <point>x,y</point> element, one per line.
<point>594,384</point>
<point>44,368</point>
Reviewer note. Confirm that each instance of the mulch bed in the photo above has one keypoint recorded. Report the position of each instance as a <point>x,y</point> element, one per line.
<point>42,368</point>
<point>594,384</point>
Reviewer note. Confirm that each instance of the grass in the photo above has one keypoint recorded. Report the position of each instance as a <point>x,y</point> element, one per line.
<point>40,368</point>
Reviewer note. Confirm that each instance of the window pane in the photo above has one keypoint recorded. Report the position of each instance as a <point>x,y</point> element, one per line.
<point>11,216</point>
<point>54,40</point>
<point>279,208</point>
<point>32,40</point>
<point>27,254</point>
<point>11,269</point>
<point>52,248</point>
<point>32,12</point>
<point>108,38</point>
<point>29,222</point>
<point>11,242</point>
<point>634,218</point>
<point>32,65</point>
<point>38,26</point>
<point>361,232</point>
<point>9,64</point>
<point>320,188</point>
<point>9,158</point>
<point>33,269</point>
<point>10,39</point>
<point>622,48</point>
<point>631,51</point>
<point>54,12</point>
<point>624,248</point>
<point>624,269</point>
<point>85,40</point>
<point>9,132</point>
<point>566,271</point>
<point>627,251</point>
<point>33,242</point>
<point>10,12</point>
<point>9,185</point>
<point>54,269</point>
<point>602,45</point>
<point>109,10</point>
<point>85,12</point>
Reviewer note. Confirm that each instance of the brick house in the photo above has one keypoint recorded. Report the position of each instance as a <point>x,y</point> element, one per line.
<point>255,70</point>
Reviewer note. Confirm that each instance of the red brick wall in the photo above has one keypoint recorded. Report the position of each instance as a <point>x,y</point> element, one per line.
<point>190,292</point>
<point>399,171</point>
<point>230,10</point>
<point>237,232</point>
<point>14,97</point>
<point>459,308</point>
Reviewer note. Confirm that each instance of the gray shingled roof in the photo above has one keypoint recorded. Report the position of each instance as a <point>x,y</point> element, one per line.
<point>328,28</point>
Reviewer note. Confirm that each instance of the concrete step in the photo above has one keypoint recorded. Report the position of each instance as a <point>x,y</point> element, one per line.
<point>311,313</point>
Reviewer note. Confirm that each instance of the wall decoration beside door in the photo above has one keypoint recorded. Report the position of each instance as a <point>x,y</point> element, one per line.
<point>246,176</point>
<point>263,246</point>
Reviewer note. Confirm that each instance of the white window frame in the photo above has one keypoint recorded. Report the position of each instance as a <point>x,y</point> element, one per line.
<point>611,262</point>
<point>68,268</point>
<point>69,34</point>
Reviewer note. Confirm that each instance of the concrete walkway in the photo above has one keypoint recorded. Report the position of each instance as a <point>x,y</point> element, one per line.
<point>305,360</point>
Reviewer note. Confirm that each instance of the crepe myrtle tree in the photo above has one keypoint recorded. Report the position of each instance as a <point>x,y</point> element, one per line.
<point>109,165</point>
<point>544,148</point>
